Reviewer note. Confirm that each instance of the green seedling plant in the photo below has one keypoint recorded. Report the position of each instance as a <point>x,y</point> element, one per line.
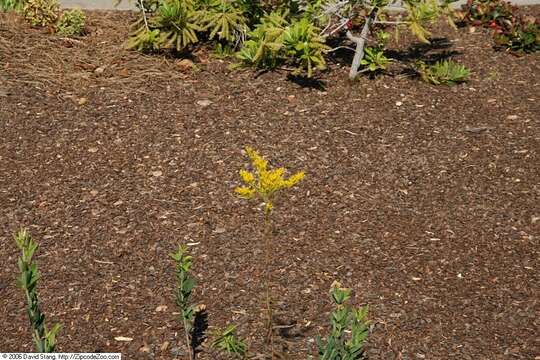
<point>71,23</point>
<point>374,60</point>
<point>444,72</point>
<point>227,341</point>
<point>44,338</point>
<point>264,184</point>
<point>349,329</point>
<point>9,5</point>
<point>185,284</point>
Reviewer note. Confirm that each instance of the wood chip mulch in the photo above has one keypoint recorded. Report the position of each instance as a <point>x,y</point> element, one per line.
<point>424,200</point>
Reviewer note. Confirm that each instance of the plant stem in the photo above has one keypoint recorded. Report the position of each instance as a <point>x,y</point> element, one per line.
<point>143,10</point>
<point>268,244</point>
<point>360,42</point>
<point>188,338</point>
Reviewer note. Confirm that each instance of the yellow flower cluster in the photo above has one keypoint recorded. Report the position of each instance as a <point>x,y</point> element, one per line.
<point>263,182</point>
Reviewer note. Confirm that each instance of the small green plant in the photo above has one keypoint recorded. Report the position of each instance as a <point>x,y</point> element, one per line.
<point>145,40</point>
<point>445,72</point>
<point>44,339</point>
<point>519,34</point>
<point>226,340</point>
<point>185,284</point>
<point>264,44</point>
<point>304,46</point>
<point>174,25</point>
<point>264,184</point>
<point>223,19</point>
<point>487,12</point>
<point>374,60</point>
<point>521,37</point>
<point>276,42</point>
<point>349,329</point>
<point>71,23</point>
<point>8,5</point>
<point>222,51</point>
<point>41,12</point>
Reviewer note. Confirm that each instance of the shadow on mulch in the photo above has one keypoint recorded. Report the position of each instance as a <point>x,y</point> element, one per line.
<point>200,326</point>
<point>308,83</point>
<point>425,51</point>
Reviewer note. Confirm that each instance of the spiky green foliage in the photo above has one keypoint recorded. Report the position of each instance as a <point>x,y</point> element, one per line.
<point>275,41</point>
<point>178,23</point>
<point>145,40</point>
<point>349,329</point>
<point>223,19</point>
<point>264,43</point>
<point>304,47</point>
<point>174,25</point>
<point>71,23</point>
<point>290,34</point>
<point>8,5</point>
<point>41,12</point>
<point>421,13</point>
<point>227,341</point>
<point>44,339</point>
<point>445,72</point>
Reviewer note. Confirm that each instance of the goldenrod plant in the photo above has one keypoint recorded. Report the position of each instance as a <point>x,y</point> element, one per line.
<point>185,283</point>
<point>41,12</point>
<point>264,184</point>
<point>71,23</point>
<point>44,339</point>
<point>350,329</point>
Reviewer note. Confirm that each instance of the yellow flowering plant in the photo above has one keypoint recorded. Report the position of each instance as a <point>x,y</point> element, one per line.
<point>265,183</point>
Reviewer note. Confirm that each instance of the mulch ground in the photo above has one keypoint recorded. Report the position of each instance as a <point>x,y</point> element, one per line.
<point>424,200</point>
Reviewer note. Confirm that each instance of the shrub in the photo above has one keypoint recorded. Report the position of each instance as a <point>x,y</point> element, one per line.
<point>279,33</point>
<point>483,12</point>
<point>444,72</point>
<point>44,339</point>
<point>522,37</point>
<point>41,12</point>
<point>518,34</point>
<point>71,23</point>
